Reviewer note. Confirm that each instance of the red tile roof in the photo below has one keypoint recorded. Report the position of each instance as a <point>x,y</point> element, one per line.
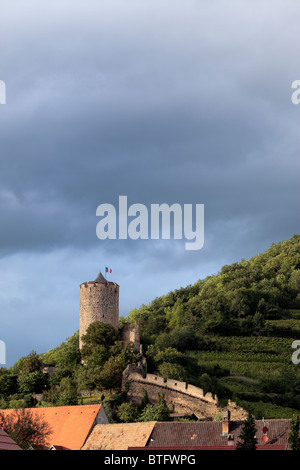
<point>158,449</point>
<point>70,425</point>
<point>209,433</point>
<point>6,443</point>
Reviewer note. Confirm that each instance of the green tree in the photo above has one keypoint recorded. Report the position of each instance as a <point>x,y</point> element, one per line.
<point>67,354</point>
<point>127,351</point>
<point>247,438</point>
<point>176,316</point>
<point>3,404</point>
<point>66,398</point>
<point>111,375</point>
<point>162,410</point>
<point>157,412</point>
<point>29,401</point>
<point>32,382</point>
<point>167,355</point>
<point>294,434</point>
<point>206,383</point>
<point>63,394</point>
<point>162,341</point>
<point>67,393</point>
<point>145,399</point>
<point>85,377</point>
<point>98,357</point>
<point>184,339</point>
<point>32,363</point>
<point>148,413</point>
<point>127,412</point>
<point>172,371</point>
<point>58,375</point>
<point>8,383</point>
<point>98,334</point>
<point>295,280</point>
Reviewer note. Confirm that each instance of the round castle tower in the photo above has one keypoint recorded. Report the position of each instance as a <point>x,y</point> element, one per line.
<point>99,301</point>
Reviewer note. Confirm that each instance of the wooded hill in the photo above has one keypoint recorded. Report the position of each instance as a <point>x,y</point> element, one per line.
<point>230,334</point>
<point>237,301</point>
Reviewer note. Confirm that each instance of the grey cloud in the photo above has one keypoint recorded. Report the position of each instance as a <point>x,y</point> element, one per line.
<point>175,101</point>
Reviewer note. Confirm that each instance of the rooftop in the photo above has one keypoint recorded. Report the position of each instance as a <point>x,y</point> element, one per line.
<point>119,436</point>
<point>205,433</point>
<point>6,443</point>
<point>70,425</point>
<point>100,278</point>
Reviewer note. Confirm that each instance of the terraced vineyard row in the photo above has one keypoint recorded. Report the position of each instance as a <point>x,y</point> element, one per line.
<point>249,361</point>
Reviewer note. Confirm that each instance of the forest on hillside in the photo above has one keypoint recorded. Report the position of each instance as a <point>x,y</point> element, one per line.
<point>236,301</point>
<point>230,334</point>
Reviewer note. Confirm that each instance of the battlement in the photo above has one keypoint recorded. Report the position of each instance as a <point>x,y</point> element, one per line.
<point>131,374</point>
<point>100,284</point>
<point>179,396</point>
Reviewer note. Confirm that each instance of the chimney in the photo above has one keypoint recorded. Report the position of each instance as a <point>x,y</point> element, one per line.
<point>225,422</point>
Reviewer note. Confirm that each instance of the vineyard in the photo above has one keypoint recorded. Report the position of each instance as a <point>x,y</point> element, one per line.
<point>249,361</point>
<point>251,357</point>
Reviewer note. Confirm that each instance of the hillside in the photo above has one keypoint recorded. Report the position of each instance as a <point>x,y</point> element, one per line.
<point>230,334</point>
<point>238,301</point>
<point>237,327</point>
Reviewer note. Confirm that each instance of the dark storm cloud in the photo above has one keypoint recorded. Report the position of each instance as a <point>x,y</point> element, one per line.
<point>174,101</point>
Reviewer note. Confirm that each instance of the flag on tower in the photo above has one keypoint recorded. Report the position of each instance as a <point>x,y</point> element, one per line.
<point>108,270</point>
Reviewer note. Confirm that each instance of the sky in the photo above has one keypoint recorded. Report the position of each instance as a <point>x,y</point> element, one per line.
<point>163,101</point>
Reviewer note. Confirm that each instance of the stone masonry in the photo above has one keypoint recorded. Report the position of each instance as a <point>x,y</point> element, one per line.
<point>132,335</point>
<point>99,301</point>
<point>181,397</point>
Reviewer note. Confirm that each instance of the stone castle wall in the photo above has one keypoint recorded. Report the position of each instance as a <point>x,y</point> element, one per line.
<point>99,301</point>
<point>182,397</point>
<point>131,335</point>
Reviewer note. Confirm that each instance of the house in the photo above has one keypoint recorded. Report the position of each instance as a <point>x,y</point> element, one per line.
<point>213,435</point>
<point>70,425</point>
<point>6,443</point>
<point>187,435</point>
<point>119,436</point>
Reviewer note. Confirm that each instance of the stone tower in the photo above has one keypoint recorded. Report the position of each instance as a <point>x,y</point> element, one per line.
<point>99,301</point>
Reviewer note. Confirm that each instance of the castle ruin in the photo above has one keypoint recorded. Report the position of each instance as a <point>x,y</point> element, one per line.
<point>181,397</point>
<point>99,301</point>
